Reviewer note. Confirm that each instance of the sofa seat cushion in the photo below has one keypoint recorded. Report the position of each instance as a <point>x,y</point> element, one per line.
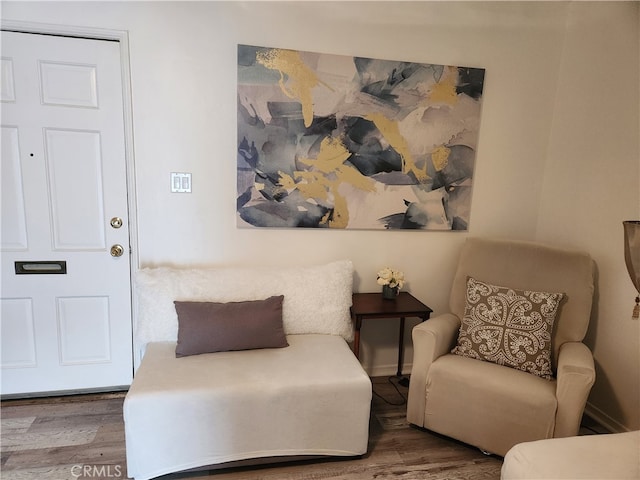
<point>614,456</point>
<point>505,407</point>
<point>311,398</point>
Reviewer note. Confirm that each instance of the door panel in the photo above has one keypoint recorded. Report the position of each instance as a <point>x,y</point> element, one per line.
<point>8,90</point>
<point>18,336</point>
<point>14,236</point>
<point>70,85</point>
<point>74,167</point>
<point>63,179</point>
<point>79,318</point>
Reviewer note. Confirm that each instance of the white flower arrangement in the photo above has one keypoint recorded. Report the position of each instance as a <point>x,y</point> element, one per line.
<point>391,277</point>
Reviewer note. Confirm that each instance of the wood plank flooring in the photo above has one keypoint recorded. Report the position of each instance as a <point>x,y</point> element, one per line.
<point>62,438</point>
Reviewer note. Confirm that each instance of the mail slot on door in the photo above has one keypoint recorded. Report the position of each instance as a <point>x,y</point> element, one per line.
<point>41,268</point>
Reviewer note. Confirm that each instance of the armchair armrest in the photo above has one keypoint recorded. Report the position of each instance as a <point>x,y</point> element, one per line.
<point>575,377</point>
<point>431,339</point>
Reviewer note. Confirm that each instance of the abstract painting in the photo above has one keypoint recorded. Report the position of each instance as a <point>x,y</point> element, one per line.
<point>333,141</point>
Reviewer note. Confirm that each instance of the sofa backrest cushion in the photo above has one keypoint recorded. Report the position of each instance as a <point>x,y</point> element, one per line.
<point>316,298</point>
<point>531,266</point>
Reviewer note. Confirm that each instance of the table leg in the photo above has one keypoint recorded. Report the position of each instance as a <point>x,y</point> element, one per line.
<point>356,338</point>
<point>400,347</point>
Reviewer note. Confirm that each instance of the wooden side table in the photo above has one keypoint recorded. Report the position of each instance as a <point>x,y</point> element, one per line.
<point>372,305</point>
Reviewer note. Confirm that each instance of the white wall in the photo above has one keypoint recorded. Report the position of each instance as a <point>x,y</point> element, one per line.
<point>592,184</point>
<point>183,68</point>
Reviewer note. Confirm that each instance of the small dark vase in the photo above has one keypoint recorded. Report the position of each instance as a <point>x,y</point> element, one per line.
<point>389,293</point>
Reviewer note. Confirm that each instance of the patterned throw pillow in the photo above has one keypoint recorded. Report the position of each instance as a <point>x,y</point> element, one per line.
<point>508,327</point>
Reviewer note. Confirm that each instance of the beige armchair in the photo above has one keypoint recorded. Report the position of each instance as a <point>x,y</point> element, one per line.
<point>491,406</point>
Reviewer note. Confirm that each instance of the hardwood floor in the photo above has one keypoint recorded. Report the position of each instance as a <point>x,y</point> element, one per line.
<point>82,437</point>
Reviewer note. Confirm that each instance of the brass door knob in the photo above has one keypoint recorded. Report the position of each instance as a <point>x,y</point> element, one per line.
<point>116,222</point>
<point>117,250</point>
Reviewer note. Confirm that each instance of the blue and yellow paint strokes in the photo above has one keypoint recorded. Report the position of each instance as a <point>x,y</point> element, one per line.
<point>330,141</point>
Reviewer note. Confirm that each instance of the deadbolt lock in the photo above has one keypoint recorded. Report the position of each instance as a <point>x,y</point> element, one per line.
<point>117,250</point>
<point>116,222</point>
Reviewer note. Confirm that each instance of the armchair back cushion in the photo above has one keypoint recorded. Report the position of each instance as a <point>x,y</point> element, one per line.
<point>531,266</point>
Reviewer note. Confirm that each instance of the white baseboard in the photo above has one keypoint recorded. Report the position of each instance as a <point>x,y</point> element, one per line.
<point>604,420</point>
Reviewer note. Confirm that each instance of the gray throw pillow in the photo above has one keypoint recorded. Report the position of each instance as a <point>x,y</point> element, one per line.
<point>207,327</point>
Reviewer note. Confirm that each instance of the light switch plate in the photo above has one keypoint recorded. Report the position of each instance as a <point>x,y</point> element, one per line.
<point>180,182</point>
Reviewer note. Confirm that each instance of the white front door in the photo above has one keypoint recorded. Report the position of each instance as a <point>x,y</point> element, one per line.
<point>66,300</point>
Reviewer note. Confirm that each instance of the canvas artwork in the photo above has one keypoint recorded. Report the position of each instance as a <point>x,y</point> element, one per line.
<point>332,141</point>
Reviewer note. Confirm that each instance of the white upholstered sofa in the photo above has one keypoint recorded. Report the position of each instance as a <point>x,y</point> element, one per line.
<point>310,398</point>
